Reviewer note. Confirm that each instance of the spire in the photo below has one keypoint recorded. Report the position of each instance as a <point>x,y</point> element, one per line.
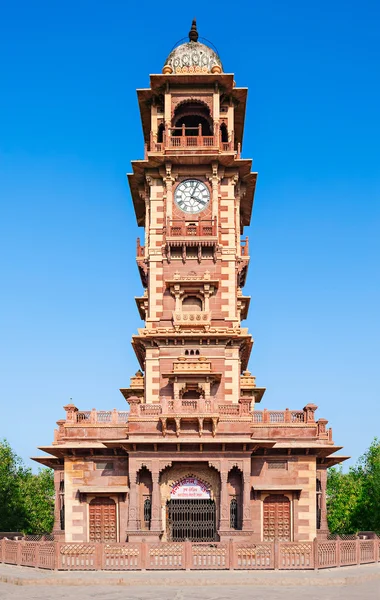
<point>193,33</point>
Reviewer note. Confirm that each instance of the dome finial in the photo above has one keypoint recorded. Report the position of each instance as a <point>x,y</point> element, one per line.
<point>193,33</point>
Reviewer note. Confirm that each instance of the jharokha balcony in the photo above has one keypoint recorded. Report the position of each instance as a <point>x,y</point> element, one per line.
<point>186,138</point>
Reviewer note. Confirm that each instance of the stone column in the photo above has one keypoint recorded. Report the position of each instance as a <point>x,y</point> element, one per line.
<point>133,509</point>
<point>156,524</point>
<point>224,521</point>
<point>324,530</point>
<point>247,520</point>
<point>58,500</point>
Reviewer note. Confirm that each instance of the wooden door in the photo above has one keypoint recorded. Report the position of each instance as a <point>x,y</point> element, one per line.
<point>276,518</point>
<point>102,520</point>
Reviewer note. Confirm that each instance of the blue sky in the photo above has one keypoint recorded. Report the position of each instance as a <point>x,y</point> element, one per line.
<point>69,127</point>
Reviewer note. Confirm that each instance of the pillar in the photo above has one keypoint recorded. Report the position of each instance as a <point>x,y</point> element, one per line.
<point>324,530</point>
<point>247,520</point>
<point>58,502</point>
<point>224,521</point>
<point>156,522</point>
<point>133,514</point>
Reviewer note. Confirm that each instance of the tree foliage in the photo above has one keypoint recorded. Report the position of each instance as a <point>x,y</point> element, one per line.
<point>353,498</point>
<point>26,499</point>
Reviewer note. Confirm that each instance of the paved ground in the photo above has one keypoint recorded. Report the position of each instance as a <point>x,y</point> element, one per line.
<point>350,583</point>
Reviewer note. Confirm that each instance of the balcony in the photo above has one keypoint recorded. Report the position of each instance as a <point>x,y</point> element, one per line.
<point>191,229</point>
<point>140,250</point>
<point>244,248</point>
<point>192,319</point>
<point>177,139</point>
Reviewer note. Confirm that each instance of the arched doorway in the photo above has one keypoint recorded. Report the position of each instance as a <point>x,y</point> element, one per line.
<point>190,512</point>
<point>276,518</point>
<point>189,117</point>
<point>102,515</point>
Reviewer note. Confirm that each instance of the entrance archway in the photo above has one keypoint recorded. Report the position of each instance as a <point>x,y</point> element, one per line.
<point>190,512</point>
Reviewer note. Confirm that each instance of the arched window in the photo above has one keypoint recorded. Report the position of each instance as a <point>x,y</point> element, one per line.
<point>234,514</point>
<point>224,133</point>
<point>147,512</point>
<point>160,133</point>
<point>192,304</point>
<point>192,115</point>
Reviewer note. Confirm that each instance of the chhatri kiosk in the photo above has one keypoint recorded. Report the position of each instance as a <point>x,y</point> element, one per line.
<point>194,457</point>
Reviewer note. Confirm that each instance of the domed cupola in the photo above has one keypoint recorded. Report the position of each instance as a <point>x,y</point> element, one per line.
<point>193,57</point>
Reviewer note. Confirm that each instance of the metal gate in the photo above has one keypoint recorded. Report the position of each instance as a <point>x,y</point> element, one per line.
<point>192,520</point>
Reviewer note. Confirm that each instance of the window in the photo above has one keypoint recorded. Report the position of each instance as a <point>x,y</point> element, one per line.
<point>160,133</point>
<point>224,133</point>
<point>234,514</point>
<point>192,304</point>
<point>277,464</point>
<point>147,512</point>
<point>319,503</point>
<point>104,466</point>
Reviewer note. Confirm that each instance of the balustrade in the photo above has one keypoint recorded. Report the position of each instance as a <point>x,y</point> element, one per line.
<point>182,406</point>
<point>126,556</point>
<point>279,416</point>
<point>178,138</point>
<point>100,416</point>
<point>201,228</point>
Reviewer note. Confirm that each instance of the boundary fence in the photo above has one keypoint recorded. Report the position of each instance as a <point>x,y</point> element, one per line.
<point>135,556</point>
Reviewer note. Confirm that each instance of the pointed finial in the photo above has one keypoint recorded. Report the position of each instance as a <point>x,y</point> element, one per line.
<point>193,33</point>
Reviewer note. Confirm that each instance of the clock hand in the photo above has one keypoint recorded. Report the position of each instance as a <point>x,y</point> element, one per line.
<point>194,188</point>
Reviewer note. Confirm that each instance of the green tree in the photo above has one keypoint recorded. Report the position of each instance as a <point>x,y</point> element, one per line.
<point>366,516</point>
<point>12,516</point>
<point>38,500</point>
<point>353,498</point>
<point>26,499</point>
<point>343,496</point>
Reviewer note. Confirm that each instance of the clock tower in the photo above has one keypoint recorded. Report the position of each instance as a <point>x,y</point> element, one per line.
<point>194,459</point>
<point>193,194</point>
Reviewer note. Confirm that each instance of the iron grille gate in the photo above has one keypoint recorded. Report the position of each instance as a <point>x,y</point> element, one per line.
<point>192,520</point>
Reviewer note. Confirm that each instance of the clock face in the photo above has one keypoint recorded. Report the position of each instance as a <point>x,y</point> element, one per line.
<point>192,196</point>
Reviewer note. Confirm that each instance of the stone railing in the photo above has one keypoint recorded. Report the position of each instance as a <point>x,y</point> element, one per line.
<point>136,556</point>
<point>196,228</point>
<point>89,417</point>
<point>287,416</point>
<point>192,406</point>
<point>178,138</point>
